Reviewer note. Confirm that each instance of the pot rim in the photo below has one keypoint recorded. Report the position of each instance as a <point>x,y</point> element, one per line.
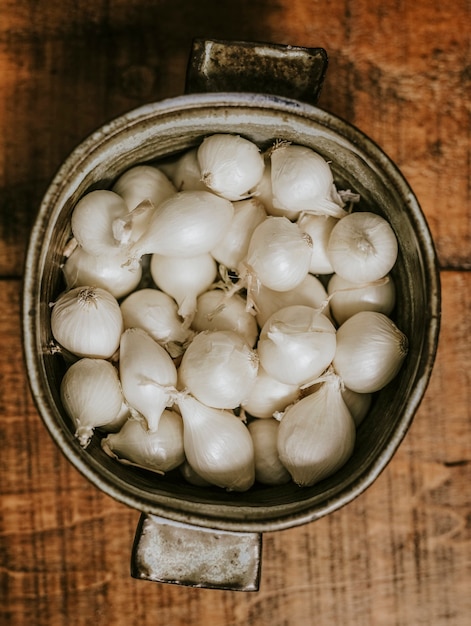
<point>133,496</point>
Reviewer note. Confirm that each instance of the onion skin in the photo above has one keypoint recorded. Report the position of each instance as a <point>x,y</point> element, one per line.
<point>107,271</point>
<point>157,313</point>
<point>370,351</point>
<point>296,344</point>
<point>184,279</point>
<point>269,470</point>
<point>348,298</point>
<point>91,394</point>
<point>148,375</point>
<point>309,292</point>
<point>92,220</point>
<point>187,224</point>
<point>215,311</point>
<point>279,254</point>
<point>159,451</point>
<point>264,193</point>
<point>231,166</point>
<point>357,403</point>
<point>319,228</point>
<point>316,436</point>
<point>302,181</point>
<point>269,396</point>
<point>143,182</point>
<point>218,446</point>
<point>232,249</point>
<point>87,322</point>
<point>219,368</point>
<point>185,172</point>
<point>362,247</point>
<point>191,476</point>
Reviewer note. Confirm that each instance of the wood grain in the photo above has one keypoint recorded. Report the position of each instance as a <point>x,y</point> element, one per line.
<point>399,555</point>
<point>399,71</point>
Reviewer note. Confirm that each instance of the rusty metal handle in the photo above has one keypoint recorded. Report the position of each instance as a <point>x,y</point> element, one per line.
<point>173,552</point>
<point>286,71</point>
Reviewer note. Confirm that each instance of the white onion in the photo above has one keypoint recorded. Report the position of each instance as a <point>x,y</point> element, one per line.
<point>318,227</point>
<point>357,403</point>
<point>87,321</point>
<point>218,446</point>
<point>216,311</point>
<point>310,292</point>
<point>185,172</point>
<point>271,222</point>
<point>269,396</point>
<point>347,298</point>
<point>91,395</point>
<point>92,221</point>
<point>269,470</point>
<point>316,435</point>
<point>231,165</point>
<point>143,182</point>
<point>370,351</point>
<point>296,344</point>
<point>302,181</point>
<point>107,271</point>
<point>184,278</point>
<point>191,476</point>
<point>233,247</point>
<point>219,368</point>
<point>362,247</point>
<point>148,376</point>
<point>279,254</point>
<point>128,229</point>
<point>157,313</point>
<point>115,425</point>
<point>159,451</point>
<point>187,224</point>
<point>264,193</point>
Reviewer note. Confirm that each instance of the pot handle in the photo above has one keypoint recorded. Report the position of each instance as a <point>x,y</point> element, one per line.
<point>166,551</point>
<point>286,71</point>
<point>174,552</point>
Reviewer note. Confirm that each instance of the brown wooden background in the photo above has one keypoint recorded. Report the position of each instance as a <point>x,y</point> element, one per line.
<point>400,555</point>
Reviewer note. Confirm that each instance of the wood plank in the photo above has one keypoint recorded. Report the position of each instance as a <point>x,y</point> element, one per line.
<point>401,553</point>
<point>399,71</point>
<point>398,555</point>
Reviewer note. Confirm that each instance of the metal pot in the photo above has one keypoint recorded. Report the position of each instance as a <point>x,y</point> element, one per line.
<point>207,537</point>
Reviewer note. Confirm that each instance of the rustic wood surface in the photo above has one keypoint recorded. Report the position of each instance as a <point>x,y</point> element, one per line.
<point>399,555</point>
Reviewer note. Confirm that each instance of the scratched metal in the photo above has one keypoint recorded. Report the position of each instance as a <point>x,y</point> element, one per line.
<point>173,552</point>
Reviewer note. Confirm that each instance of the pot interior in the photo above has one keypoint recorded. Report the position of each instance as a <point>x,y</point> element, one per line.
<point>167,128</point>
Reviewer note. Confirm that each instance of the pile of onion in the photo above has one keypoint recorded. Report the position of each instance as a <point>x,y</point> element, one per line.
<point>227,315</point>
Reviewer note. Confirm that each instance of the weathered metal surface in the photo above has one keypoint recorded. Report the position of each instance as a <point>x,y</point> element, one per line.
<point>172,552</point>
<point>289,71</point>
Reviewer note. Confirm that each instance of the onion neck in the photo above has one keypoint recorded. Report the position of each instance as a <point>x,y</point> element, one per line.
<point>88,297</point>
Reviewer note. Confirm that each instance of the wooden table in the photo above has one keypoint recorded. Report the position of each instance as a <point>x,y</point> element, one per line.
<point>401,553</point>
